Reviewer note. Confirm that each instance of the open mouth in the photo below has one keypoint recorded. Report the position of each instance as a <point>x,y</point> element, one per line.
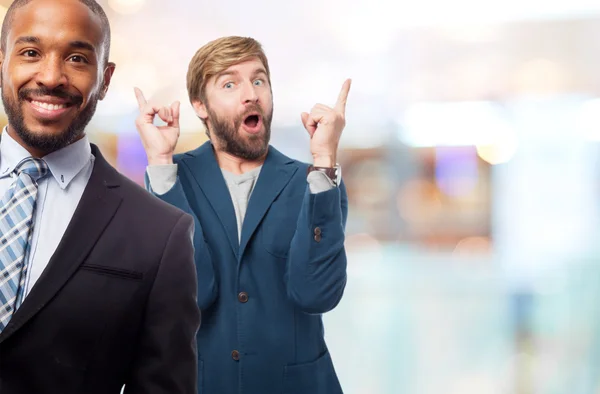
<point>253,123</point>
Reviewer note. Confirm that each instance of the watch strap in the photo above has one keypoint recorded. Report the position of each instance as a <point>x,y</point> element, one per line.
<point>331,172</point>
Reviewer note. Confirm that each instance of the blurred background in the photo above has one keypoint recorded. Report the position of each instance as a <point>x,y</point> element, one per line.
<point>470,158</point>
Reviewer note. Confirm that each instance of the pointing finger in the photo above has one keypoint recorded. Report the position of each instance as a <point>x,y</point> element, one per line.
<point>340,105</point>
<point>140,97</point>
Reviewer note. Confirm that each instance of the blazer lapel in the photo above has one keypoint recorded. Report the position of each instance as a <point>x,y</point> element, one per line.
<point>95,210</point>
<point>276,173</point>
<point>202,165</point>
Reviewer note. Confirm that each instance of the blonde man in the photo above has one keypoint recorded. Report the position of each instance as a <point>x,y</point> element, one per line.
<point>269,230</point>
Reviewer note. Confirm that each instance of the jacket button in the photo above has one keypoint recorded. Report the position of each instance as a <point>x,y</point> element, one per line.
<point>318,237</point>
<point>235,355</point>
<point>243,297</point>
<point>317,231</point>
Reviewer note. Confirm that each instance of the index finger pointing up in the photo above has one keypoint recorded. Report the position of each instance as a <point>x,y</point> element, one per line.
<point>140,97</point>
<point>340,105</point>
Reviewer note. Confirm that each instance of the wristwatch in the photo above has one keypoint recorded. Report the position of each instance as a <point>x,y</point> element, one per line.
<point>333,173</point>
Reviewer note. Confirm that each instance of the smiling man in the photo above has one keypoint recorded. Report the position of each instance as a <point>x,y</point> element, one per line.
<point>269,230</point>
<point>97,278</point>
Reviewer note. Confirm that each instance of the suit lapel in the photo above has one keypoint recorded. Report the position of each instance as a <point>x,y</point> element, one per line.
<point>95,210</point>
<point>203,167</point>
<point>276,173</point>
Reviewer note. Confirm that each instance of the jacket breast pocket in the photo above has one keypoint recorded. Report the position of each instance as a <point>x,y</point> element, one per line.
<point>114,272</point>
<point>316,377</point>
<point>277,231</point>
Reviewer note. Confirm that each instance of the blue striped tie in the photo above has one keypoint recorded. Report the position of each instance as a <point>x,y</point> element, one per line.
<point>16,217</point>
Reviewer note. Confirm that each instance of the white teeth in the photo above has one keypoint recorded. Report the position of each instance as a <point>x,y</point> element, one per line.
<point>50,107</point>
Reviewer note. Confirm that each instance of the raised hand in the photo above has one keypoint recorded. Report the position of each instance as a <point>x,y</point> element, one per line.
<point>325,126</point>
<point>159,141</point>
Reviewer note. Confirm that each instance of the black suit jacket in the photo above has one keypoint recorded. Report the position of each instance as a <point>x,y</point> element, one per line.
<point>116,305</point>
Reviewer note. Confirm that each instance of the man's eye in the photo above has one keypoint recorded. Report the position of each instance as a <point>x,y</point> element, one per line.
<point>77,59</point>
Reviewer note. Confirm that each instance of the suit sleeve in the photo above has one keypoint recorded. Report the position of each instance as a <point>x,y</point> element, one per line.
<point>316,265</point>
<point>205,272</point>
<point>167,360</point>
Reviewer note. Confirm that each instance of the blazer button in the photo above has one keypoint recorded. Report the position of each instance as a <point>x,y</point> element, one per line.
<point>318,237</point>
<point>235,355</point>
<point>317,230</point>
<point>243,297</point>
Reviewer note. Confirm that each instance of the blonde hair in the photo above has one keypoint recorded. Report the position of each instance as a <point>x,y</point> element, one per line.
<point>216,57</point>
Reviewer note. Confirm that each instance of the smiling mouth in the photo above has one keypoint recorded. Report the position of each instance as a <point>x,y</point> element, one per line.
<point>50,106</point>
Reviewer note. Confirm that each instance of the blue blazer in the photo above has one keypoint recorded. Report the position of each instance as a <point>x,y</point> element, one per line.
<point>262,297</point>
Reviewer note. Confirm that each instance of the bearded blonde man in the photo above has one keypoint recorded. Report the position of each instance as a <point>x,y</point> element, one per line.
<point>269,230</point>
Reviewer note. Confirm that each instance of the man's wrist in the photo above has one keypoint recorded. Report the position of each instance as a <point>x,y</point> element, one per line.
<point>327,161</point>
<point>160,160</point>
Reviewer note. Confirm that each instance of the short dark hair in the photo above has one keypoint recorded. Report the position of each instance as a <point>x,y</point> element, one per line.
<point>91,4</point>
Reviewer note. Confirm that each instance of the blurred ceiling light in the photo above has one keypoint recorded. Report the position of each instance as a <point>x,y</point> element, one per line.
<point>126,6</point>
<point>498,153</point>
<point>502,148</point>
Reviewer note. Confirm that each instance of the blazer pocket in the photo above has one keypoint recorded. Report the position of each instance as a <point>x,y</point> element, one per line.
<point>277,233</point>
<point>113,271</point>
<point>316,377</point>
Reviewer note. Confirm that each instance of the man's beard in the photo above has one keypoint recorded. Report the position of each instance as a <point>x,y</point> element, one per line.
<point>48,143</point>
<point>230,140</point>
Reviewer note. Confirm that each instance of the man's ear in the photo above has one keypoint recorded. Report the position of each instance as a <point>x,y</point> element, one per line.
<point>200,109</point>
<point>108,73</point>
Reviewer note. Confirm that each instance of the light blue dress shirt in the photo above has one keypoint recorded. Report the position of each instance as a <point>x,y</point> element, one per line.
<point>58,195</point>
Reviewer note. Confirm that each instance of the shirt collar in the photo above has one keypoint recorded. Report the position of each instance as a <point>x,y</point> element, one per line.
<point>64,164</point>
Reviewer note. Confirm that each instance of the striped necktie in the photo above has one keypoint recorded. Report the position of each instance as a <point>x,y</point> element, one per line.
<point>16,223</point>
